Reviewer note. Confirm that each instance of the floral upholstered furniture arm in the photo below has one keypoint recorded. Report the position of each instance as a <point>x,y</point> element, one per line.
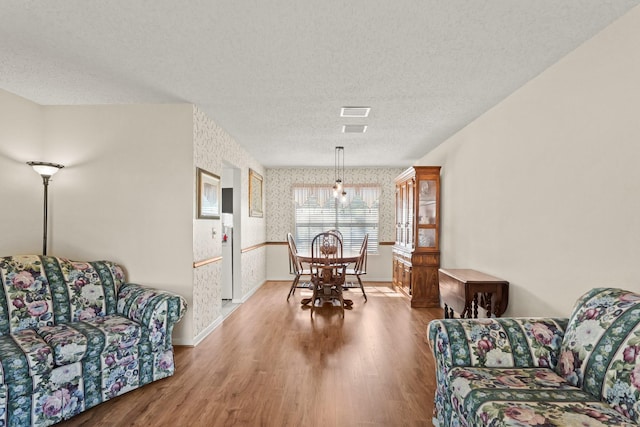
<point>492,342</point>
<point>497,342</point>
<point>155,309</point>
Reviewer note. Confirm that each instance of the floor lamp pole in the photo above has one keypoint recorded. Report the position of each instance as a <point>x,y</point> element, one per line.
<point>45,182</point>
<point>46,171</point>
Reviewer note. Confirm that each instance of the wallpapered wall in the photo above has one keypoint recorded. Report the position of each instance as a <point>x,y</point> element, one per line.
<point>212,146</point>
<point>279,210</point>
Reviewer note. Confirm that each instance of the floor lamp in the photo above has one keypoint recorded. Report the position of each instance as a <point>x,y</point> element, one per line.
<point>46,171</point>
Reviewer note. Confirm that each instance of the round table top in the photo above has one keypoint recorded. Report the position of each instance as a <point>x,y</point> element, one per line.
<point>346,258</point>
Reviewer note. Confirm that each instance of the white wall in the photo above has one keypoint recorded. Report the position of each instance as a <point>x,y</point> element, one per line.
<point>21,190</point>
<point>126,193</point>
<point>543,189</point>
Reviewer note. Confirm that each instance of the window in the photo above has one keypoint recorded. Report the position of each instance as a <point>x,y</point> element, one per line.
<point>317,210</point>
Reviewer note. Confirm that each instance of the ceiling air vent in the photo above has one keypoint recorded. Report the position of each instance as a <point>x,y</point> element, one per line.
<point>354,128</point>
<point>355,111</point>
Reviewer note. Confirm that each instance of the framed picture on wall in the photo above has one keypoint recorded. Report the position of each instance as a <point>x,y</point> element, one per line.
<point>255,194</point>
<point>208,195</point>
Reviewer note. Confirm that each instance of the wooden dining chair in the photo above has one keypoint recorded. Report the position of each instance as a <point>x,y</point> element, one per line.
<point>336,232</point>
<point>295,266</point>
<point>360,266</point>
<point>327,272</point>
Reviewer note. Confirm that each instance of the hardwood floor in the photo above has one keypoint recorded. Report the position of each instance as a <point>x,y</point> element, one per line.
<point>269,364</point>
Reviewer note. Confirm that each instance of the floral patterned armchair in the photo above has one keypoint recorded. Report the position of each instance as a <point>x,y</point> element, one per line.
<point>580,371</point>
<point>74,334</point>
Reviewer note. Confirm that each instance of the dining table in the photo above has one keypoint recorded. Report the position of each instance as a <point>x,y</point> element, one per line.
<point>345,259</point>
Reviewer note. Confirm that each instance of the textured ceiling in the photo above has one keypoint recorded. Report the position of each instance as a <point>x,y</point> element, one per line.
<point>274,74</point>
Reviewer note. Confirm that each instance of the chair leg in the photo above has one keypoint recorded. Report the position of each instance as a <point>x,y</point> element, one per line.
<point>362,287</point>
<point>293,286</point>
<point>313,303</point>
<point>314,297</point>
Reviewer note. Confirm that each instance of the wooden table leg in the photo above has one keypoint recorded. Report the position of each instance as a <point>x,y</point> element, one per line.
<point>475,306</point>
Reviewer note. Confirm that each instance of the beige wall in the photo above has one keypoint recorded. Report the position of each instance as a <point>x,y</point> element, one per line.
<point>21,140</point>
<point>126,192</point>
<point>543,189</point>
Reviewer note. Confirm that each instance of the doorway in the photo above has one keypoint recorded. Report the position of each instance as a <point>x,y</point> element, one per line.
<point>231,294</point>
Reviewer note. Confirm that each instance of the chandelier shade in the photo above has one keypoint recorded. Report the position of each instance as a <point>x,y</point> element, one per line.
<point>338,172</point>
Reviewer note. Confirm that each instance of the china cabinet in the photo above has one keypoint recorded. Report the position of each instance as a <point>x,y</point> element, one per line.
<point>416,252</point>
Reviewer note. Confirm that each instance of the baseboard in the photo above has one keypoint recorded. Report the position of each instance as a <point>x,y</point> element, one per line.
<point>253,291</point>
<point>202,335</point>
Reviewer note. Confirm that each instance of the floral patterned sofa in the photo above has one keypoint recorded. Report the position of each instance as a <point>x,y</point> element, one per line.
<point>580,371</point>
<point>74,334</point>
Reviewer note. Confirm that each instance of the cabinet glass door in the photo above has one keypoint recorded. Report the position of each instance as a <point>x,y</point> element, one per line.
<point>410,219</point>
<point>427,211</point>
<point>398,216</point>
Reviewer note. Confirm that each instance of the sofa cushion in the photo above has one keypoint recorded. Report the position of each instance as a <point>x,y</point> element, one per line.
<point>601,349</point>
<point>45,291</point>
<point>28,299</point>
<point>57,395</point>
<point>23,355</point>
<point>92,287</point>
<point>524,396</point>
<point>501,342</point>
<point>68,344</point>
<point>546,414</point>
<point>119,358</point>
<point>119,332</point>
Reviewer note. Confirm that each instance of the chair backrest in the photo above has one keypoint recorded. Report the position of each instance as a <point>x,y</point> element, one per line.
<point>361,264</point>
<point>294,265</point>
<point>336,232</point>
<point>292,243</point>
<point>326,246</point>
<point>326,249</point>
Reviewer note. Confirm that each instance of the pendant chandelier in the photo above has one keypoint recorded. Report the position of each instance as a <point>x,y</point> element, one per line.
<point>338,171</point>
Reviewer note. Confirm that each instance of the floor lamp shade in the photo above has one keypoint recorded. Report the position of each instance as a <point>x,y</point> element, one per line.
<point>46,171</point>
